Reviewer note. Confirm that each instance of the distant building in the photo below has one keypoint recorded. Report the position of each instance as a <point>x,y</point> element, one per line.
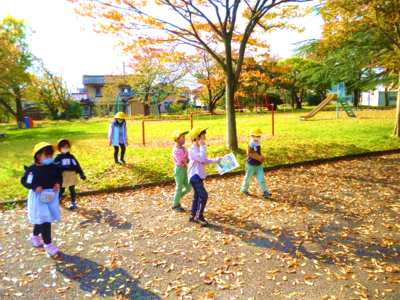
<point>94,85</point>
<point>83,98</point>
<point>377,97</point>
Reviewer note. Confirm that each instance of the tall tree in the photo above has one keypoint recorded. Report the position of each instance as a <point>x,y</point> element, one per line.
<point>224,24</point>
<point>41,91</point>
<point>377,20</point>
<point>210,75</point>
<point>58,88</point>
<point>15,60</point>
<point>349,64</point>
<point>298,82</point>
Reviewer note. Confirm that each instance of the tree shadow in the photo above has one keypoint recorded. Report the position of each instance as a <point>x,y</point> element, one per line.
<point>102,280</point>
<point>105,216</point>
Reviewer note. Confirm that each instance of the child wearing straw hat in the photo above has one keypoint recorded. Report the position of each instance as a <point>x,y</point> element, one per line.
<point>70,167</point>
<point>254,164</point>
<point>118,136</point>
<point>180,156</point>
<point>43,179</point>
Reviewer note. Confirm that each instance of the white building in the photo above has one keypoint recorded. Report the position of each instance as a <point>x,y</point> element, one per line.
<point>377,97</point>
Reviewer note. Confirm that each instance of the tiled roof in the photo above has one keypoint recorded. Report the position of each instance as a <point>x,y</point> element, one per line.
<point>93,79</point>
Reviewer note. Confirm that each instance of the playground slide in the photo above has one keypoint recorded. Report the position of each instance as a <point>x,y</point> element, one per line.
<point>316,110</point>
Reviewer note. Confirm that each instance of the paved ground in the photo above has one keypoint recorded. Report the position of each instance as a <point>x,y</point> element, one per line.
<point>330,232</point>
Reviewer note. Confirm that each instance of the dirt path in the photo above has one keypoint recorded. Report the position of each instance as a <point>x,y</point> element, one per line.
<point>331,232</point>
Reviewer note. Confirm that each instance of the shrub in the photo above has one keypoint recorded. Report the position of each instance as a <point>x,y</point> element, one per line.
<point>313,100</point>
<point>177,108</point>
<point>274,99</point>
<point>75,111</point>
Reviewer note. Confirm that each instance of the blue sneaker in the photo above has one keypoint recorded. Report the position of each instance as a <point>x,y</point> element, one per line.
<point>246,193</point>
<point>178,208</point>
<point>201,220</point>
<point>266,195</point>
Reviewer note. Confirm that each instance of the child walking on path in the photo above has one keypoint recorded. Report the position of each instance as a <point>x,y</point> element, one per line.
<point>70,167</point>
<point>43,179</point>
<point>197,173</point>
<point>118,136</point>
<point>254,164</point>
<point>181,160</point>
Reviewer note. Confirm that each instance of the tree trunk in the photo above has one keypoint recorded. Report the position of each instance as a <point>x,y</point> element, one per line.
<point>18,104</point>
<point>298,103</point>
<point>386,97</point>
<point>211,106</point>
<point>146,105</point>
<point>230,109</point>
<point>397,125</point>
<point>9,108</point>
<point>67,113</point>
<point>356,94</point>
<point>292,94</point>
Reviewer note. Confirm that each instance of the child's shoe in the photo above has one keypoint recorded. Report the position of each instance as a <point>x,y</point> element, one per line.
<point>117,163</point>
<point>51,249</point>
<point>201,220</point>
<point>122,160</point>
<point>266,195</point>
<point>72,206</point>
<point>246,193</point>
<point>192,219</point>
<point>35,241</point>
<point>178,208</point>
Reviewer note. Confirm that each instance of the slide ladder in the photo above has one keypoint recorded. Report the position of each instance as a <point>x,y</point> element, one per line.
<point>346,107</point>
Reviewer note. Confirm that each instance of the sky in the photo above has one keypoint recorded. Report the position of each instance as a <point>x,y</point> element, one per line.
<point>68,50</point>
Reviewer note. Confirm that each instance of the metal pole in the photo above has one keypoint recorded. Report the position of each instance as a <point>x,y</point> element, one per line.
<point>143,132</point>
<point>272,118</point>
<point>337,109</point>
<point>191,121</point>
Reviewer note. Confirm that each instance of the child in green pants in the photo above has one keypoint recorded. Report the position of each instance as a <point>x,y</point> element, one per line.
<point>181,160</point>
<point>254,164</point>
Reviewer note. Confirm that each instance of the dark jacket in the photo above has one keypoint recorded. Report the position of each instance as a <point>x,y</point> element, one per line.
<point>44,176</point>
<point>68,162</point>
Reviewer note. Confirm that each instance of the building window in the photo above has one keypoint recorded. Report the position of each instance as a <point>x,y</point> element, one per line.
<point>126,90</point>
<point>86,110</point>
<point>110,109</point>
<point>98,92</point>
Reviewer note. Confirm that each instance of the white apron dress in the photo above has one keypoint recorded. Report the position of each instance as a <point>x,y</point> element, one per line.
<point>42,212</point>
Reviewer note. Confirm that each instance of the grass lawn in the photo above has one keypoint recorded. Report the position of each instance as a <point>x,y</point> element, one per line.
<point>321,137</point>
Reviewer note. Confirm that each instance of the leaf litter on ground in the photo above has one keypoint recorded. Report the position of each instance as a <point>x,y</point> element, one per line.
<point>331,231</point>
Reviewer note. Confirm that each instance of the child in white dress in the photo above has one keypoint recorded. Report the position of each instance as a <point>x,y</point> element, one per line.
<point>43,179</point>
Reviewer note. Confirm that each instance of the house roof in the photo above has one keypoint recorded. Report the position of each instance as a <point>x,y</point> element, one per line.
<point>93,79</point>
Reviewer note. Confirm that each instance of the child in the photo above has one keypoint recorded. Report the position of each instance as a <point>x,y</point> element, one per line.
<point>197,173</point>
<point>70,167</point>
<point>43,179</point>
<point>254,164</point>
<point>118,136</point>
<point>181,159</point>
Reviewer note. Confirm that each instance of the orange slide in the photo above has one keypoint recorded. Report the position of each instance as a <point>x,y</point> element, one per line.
<point>316,110</point>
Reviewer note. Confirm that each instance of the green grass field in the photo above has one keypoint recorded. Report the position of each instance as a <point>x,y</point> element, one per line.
<point>294,141</point>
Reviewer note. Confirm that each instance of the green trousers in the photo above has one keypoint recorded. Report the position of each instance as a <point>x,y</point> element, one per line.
<point>258,171</point>
<point>181,179</point>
